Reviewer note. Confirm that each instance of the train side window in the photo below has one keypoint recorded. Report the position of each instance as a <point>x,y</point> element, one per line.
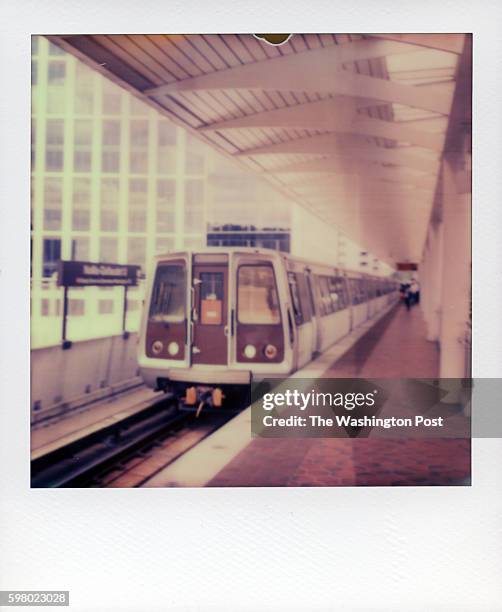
<point>325,296</point>
<point>257,299</point>
<point>310,289</point>
<point>333,294</point>
<point>363,290</point>
<point>354,291</point>
<point>169,294</point>
<point>337,293</point>
<point>343,291</point>
<point>303,294</point>
<point>320,301</point>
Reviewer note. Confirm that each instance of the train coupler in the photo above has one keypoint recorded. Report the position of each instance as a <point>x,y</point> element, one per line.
<point>203,396</point>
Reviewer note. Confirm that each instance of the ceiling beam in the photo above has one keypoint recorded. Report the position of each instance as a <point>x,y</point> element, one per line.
<point>350,148</point>
<point>398,176</point>
<point>316,71</point>
<point>435,125</point>
<point>333,56</point>
<point>375,195</point>
<point>335,115</point>
<point>330,164</point>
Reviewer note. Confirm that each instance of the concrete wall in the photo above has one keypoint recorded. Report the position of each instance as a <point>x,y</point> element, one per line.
<point>62,380</point>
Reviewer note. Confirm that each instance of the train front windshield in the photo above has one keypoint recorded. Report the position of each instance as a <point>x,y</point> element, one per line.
<point>169,294</point>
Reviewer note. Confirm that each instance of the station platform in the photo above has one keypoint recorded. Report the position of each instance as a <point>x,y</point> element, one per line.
<point>395,346</point>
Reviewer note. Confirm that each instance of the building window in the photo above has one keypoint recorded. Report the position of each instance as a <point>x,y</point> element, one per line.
<point>193,242</point>
<point>76,307</point>
<point>195,158</point>
<point>108,250</point>
<point>138,161</point>
<point>164,245</point>
<point>49,307</point>
<point>51,256</point>
<point>56,100</point>
<point>138,107</point>
<point>137,205</point>
<point>166,148</point>
<point>109,204</point>
<point>54,145</point>
<point>53,203</point>
<point>55,50</point>
<point>56,73</point>
<point>105,306</point>
<point>80,248</point>
<point>112,98</point>
<point>45,307</point>
<point>56,93</point>
<point>194,163</point>
<point>110,159</point>
<point>83,145</point>
<point>81,204</point>
<point>136,251</point>
<point>166,196</point>
<point>194,206</point>
<point>84,90</point>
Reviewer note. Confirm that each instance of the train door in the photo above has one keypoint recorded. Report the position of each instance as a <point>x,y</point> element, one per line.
<point>210,311</point>
<point>302,317</point>
<point>257,324</point>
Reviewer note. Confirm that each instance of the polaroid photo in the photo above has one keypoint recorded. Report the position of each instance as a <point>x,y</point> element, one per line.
<point>252,335</point>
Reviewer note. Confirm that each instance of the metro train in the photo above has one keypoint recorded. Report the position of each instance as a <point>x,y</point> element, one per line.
<point>217,318</point>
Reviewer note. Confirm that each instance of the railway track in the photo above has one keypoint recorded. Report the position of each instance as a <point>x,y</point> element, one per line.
<point>103,457</point>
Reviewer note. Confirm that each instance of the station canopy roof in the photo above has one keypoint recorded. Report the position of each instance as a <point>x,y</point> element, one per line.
<point>353,127</point>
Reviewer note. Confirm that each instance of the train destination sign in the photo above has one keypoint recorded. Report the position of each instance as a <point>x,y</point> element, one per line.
<point>86,274</point>
<point>407,267</point>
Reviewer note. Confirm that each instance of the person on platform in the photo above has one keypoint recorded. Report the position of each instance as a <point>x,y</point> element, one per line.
<point>414,292</point>
<point>405,294</point>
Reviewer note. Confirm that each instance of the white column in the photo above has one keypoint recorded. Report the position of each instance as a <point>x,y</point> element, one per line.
<point>455,294</point>
<point>432,285</point>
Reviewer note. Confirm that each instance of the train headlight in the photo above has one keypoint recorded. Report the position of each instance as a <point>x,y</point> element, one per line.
<point>157,347</point>
<point>270,351</point>
<point>173,348</point>
<point>249,351</point>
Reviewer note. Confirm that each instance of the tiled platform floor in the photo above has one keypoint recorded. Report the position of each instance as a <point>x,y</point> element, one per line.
<point>394,348</point>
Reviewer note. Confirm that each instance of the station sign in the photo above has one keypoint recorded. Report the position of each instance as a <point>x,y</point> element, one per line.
<point>407,267</point>
<point>88,274</point>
